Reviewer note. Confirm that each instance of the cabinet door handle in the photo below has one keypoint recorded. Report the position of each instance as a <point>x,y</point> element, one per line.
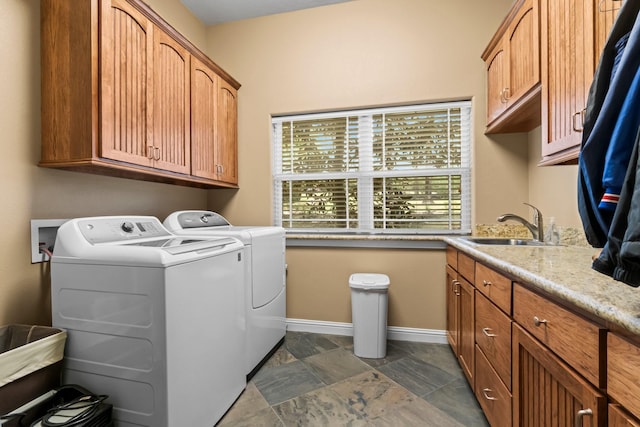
<point>456,287</point>
<point>150,152</point>
<point>503,98</point>
<point>579,114</point>
<point>486,391</point>
<point>486,283</point>
<point>537,321</point>
<point>506,94</point>
<point>486,331</point>
<point>581,414</point>
<point>156,151</point>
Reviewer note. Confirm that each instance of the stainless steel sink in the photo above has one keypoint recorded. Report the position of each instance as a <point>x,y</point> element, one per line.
<point>499,241</point>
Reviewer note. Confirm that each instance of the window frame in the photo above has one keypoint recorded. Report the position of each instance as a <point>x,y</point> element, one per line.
<point>464,170</point>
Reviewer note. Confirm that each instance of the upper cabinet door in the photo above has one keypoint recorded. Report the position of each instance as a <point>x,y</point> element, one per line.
<point>568,58</point>
<point>125,84</point>
<point>227,133</point>
<point>497,82</point>
<point>204,86</point>
<point>523,47</point>
<point>606,14</point>
<point>171,107</point>
<point>513,71</point>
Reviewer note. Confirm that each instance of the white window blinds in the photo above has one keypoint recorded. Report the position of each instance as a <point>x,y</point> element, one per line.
<point>395,170</point>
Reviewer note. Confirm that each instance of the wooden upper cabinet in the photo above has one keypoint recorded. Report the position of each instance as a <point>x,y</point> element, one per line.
<point>127,46</point>
<point>171,110</point>
<point>204,86</point>
<point>512,59</point>
<point>227,133</point>
<point>117,96</point>
<point>214,125</point>
<point>569,65</point>
<point>523,46</point>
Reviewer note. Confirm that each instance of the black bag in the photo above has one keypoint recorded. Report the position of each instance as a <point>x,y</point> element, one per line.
<point>67,406</point>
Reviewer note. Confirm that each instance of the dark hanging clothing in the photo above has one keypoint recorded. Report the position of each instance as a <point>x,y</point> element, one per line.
<point>620,257</point>
<point>618,66</point>
<point>609,164</point>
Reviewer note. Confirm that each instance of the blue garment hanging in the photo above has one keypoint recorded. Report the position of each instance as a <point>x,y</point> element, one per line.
<point>620,147</point>
<point>607,96</point>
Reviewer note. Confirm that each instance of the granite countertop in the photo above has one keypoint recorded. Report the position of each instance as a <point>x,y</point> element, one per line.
<point>564,272</point>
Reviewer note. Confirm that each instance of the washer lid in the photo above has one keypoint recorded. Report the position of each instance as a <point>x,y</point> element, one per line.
<point>369,281</point>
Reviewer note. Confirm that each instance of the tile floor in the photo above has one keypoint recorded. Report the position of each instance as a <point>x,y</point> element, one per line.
<point>315,380</point>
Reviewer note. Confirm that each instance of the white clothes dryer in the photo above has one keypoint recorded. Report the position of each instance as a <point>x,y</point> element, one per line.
<point>265,277</point>
<point>154,320</point>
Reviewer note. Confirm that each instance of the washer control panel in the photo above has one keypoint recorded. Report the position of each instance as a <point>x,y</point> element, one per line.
<point>116,229</point>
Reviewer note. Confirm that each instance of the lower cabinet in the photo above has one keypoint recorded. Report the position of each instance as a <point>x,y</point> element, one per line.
<point>492,394</point>
<point>466,345</point>
<point>453,310</point>
<point>623,372</point>
<point>547,392</point>
<point>532,361</point>
<point>618,417</point>
<point>461,310</point>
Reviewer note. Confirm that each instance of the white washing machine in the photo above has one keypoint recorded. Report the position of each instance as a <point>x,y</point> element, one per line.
<point>154,320</point>
<point>265,277</point>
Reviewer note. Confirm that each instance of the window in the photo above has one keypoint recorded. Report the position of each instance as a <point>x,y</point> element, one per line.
<point>390,170</point>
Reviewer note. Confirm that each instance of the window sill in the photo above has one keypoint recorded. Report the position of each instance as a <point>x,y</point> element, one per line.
<point>348,240</point>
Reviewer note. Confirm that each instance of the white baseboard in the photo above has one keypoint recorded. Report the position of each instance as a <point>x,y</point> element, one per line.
<point>432,336</point>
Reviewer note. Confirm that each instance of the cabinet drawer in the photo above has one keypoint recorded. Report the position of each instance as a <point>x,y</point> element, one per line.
<point>492,394</point>
<point>623,360</point>
<point>452,257</point>
<point>618,417</point>
<point>495,286</point>
<point>466,266</point>
<point>573,338</point>
<point>493,336</point>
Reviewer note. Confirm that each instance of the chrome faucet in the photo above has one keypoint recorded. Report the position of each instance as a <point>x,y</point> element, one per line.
<point>536,230</point>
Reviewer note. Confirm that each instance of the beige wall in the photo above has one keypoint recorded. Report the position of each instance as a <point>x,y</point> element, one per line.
<point>355,54</point>
<point>30,192</point>
<point>553,189</point>
<point>318,284</point>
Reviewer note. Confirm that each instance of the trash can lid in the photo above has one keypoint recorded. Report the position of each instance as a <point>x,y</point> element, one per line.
<point>369,281</point>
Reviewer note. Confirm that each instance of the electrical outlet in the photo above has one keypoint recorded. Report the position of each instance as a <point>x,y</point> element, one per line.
<point>43,235</point>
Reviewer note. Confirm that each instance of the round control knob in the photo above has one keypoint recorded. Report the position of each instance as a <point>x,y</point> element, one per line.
<point>204,219</point>
<point>127,227</point>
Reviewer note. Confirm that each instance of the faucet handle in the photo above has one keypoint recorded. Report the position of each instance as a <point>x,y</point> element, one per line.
<point>536,211</point>
<point>537,217</point>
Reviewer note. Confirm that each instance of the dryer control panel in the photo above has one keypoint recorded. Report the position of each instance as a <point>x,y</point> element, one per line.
<point>201,219</point>
<point>117,229</point>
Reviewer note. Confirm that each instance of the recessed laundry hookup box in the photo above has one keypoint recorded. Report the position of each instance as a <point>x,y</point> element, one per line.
<point>30,363</point>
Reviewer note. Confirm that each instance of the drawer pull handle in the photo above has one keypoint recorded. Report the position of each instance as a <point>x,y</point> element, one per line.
<point>486,332</point>
<point>486,283</point>
<point>486,391</point>
<point>581,414</point>
<point>537,321</point>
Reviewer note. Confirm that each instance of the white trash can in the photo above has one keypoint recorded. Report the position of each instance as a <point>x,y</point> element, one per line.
<point>369,299</point>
